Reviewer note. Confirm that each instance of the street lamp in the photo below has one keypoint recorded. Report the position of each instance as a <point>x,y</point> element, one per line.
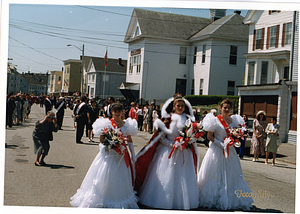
<point>82,64</point>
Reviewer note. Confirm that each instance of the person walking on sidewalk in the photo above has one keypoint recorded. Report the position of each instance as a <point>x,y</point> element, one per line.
<point>42,134</point>
<point>80,112</point>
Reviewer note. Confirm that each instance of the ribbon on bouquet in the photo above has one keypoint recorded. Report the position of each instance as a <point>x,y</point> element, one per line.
<point>228,141</point>
<point>182,143</point>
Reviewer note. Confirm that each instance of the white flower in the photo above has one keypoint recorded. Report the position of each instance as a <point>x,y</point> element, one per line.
<point>189,132</point>
<point>188,122</point>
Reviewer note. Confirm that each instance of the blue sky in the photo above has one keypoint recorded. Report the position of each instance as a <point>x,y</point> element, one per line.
<point>97,27</point>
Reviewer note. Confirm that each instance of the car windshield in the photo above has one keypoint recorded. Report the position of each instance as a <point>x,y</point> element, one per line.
<point>250,123</point>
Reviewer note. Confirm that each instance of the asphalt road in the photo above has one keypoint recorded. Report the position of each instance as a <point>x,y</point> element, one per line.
<point>52,186</point>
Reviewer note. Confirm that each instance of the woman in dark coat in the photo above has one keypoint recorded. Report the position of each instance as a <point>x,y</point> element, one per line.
<point>42,134</point>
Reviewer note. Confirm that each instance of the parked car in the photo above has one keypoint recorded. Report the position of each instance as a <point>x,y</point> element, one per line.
<point>250,133</point>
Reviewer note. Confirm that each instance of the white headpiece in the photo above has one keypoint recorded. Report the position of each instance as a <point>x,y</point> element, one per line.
<point>168,107</point>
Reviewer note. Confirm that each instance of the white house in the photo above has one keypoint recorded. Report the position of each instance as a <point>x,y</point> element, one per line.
<point>104,82</point>
<point>170,53</point>
<point>271,74</point>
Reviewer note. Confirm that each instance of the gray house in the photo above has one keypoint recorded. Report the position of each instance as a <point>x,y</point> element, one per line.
<point>103,82</point>
<point>33,83</point>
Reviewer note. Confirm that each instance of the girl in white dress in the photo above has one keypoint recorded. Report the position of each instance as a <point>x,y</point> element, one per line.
<point>167,181</point>
<point>109,181</point>
<point>220,178</point>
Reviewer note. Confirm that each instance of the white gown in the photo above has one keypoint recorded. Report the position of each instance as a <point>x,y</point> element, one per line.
<point>170,183</point>
<point>108,182</point>
<point>220,177</point>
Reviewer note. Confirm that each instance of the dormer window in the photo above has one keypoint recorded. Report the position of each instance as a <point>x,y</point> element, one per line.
<point>137,31</point>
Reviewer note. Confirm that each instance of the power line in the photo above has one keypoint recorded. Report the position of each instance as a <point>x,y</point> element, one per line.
<point>34,49</point>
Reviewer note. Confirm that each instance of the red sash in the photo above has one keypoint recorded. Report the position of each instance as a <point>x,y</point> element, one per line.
<point>227,129</point>
<point>126,153</point>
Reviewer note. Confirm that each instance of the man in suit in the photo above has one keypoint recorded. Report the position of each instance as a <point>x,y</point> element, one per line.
<point>48,104</point>
<point>80,112</point>
<point>60,111</point>
<point>150,117</point>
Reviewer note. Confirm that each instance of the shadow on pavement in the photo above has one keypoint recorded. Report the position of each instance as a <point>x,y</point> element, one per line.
<point>253,209</point>
<point>281,165</point>
<point>58,166</point>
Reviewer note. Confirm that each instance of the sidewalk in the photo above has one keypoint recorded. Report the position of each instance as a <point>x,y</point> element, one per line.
<point>287,153</point>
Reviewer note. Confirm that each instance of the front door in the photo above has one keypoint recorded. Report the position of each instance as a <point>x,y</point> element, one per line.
<point>293,120</point>
<point>181,86</point>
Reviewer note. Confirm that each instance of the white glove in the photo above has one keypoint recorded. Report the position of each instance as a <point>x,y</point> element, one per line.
<point>218,143</point>
<point>130,145</point>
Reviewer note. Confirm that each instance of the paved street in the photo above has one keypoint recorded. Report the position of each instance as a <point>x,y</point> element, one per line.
<point>51,186</point>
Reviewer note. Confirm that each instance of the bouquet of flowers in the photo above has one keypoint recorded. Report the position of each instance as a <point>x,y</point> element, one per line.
<point>114,139</point>
<point>190,134</point>
<point>237,134</point>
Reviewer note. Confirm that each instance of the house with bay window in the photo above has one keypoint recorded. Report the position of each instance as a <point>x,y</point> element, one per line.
<point>171,53</point>
<point>271,72</point>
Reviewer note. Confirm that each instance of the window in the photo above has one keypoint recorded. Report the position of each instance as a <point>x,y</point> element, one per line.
<point>273,36</point>
<point>131,65</point>
<point>92,92</point>
<point>106,78</point>
<point>182,56</point>
<point>59,78</point>
<point>233,55</point>
<point>195,55</point>
<point>203,53</point>
<point>138,64</point>
<point>274,11</point>
<point>135,61</point>
<point>264,72</point>
<point>286,72</point>
<point>287,34</point>
<point>250,73</point>
<point>230,87</point>
<point>259,39</point>
<point>93,77</point>
<point>193,87</point>
<point>201,87</point>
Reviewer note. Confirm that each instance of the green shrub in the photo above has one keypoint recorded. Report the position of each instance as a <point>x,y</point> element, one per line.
<point>201,100</point>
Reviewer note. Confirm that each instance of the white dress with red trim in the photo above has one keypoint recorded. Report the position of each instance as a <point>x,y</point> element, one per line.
<point>108,182</point>
<point>219,178</point>
<point>169,183</point>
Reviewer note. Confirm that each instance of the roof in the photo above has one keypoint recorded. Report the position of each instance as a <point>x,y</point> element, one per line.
<point>230,26</point>
<point>166,25</point>
<point>35,79</point>
<point>112,64</point>
<point>173,26</point>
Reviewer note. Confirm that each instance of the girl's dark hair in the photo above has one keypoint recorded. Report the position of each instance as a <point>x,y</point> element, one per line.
<point>227,101</point>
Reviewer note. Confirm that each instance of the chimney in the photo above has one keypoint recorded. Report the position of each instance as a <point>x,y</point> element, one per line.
<point>238,12</point>
<point>216,14</point>
<point>120,62</point>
